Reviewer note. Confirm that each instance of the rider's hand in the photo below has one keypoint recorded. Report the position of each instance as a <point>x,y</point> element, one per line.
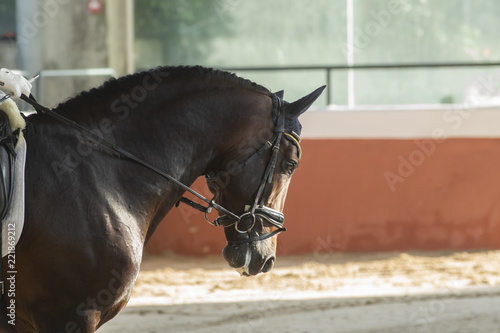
<point>14,83</point>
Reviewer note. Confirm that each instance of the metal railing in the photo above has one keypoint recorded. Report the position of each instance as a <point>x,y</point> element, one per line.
<point>108,72</point>
<point>84,72</point>
<point>50,97</point>
<point>329,69</point>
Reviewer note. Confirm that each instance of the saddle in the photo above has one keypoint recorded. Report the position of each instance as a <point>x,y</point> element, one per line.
<point>7,160</point>
<point>12,162</point>
<point>11,125</point>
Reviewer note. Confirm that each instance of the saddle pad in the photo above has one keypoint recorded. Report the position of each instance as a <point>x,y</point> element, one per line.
<point>13,223</point>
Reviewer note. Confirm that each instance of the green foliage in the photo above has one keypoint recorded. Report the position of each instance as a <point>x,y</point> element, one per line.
<point>183,28</point>
<point>7,16</point>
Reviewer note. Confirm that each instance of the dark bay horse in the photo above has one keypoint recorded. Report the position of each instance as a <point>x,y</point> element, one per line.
<point>90,211</point>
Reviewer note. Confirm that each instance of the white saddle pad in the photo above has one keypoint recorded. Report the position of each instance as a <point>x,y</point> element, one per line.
<point>12,225</point>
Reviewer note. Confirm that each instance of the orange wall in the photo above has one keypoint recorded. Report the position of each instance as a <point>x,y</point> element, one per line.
<point>446,196</point>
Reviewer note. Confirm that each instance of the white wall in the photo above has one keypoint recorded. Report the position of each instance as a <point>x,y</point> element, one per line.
<point>402,122</point>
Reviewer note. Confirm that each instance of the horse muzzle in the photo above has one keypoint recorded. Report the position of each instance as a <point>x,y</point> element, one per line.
<point>247,260</point>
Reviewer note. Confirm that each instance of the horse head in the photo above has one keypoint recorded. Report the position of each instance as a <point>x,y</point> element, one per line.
<point>255,182</point>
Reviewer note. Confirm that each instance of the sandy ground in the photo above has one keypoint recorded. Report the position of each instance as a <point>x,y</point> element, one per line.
<point>378,292</point>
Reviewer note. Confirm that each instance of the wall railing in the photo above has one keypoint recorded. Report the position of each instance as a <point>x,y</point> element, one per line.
<point>329,69</point>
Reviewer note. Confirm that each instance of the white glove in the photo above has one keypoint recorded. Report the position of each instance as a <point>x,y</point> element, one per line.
<point>14,83</point>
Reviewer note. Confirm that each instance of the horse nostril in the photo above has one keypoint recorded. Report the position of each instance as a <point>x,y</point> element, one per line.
<point>268,265</point>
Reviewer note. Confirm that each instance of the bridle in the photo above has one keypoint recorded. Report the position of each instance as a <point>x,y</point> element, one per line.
<point>258,209</point>
<point>227,218</point>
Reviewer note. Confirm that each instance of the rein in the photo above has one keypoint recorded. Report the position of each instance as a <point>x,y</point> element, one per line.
<point>227,218</point>
<point>108,144</point>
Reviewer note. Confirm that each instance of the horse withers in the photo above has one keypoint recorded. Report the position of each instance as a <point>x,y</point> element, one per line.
<point>91,207</point>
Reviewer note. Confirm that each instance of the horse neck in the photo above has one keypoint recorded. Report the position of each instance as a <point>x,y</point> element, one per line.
<point>198,129</point>
<point>183,137</point>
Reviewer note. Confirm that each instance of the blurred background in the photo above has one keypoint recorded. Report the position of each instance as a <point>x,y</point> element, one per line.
<point>272,42</point>
<point>401,151</point>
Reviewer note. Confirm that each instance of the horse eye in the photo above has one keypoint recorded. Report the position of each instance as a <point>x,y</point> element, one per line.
<point>289,166</point>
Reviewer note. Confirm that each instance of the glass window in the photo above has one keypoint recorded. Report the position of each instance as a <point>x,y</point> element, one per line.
<point>237,33</point>
<point>423,31</point>
<point>234,33</point>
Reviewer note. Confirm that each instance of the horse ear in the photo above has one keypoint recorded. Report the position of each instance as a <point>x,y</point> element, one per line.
<point>300,106</point>
<point>280,94</point>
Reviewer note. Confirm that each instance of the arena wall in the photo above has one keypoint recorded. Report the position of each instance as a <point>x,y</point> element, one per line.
<point>378,180</point>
